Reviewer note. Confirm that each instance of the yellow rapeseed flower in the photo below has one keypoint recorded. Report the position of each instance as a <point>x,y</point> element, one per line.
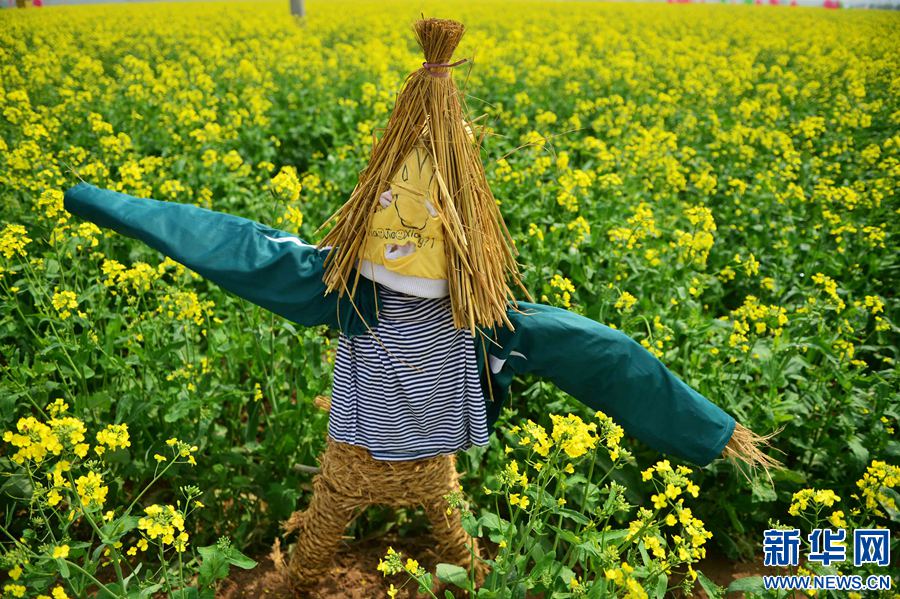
<point>13,239</point>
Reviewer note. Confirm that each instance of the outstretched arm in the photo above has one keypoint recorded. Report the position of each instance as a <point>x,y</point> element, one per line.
<point>266,266</point>
<point>607,370</point>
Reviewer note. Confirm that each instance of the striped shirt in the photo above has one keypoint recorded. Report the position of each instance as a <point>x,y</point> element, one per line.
<point>380,402</point>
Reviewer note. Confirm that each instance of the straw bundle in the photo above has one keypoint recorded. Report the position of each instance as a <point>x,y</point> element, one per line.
<point>479,249</point>
<point>746,447</point>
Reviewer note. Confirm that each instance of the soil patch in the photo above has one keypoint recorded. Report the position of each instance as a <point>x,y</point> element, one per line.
<point>353,573</point>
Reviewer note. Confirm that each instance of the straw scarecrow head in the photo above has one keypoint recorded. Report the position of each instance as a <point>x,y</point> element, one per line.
<point>422,219</point>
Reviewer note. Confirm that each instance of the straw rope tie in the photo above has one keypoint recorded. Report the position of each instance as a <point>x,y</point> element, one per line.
<point>442,65</point>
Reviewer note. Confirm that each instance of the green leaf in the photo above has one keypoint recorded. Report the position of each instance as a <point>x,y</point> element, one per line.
<point>889,499</point>
<point>859,451</point>
<point>118,527</point>
<point>537,552</point>
<point>180,409</point>
<point>491,521</point>
<point>573,515</point>
<point>787,475</point>
<point>762,348</point>
<point>470,524</point>
<point>748,584</point>
<point>115,591</point>
<point>713,590</point>
<point>147,592</point>
<point>732,516</point>
<point>426,582</point>
<point>214,565</point>
<point>588,547</point>
<point>236,558</point>
<point>100,400</point>
<point>565,535</point>
<point>63,568</point>
<point>609,536</point>
<point>644,554</point>
<point>498,527</point>
<point>761,492</point>
<point>566,574</point>
<point>453,574</point>
<point>662,586</point>
<point>18,486</point>
<point>598,590</point>
<point>542,564</point>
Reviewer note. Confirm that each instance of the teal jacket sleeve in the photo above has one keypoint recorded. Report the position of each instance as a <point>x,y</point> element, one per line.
<point>266,266</point>
<point>607,370</point>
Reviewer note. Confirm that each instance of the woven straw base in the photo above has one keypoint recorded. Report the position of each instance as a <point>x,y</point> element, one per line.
<point>351,480</point>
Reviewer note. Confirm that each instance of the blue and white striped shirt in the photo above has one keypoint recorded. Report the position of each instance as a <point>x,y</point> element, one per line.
<point>380,402</point>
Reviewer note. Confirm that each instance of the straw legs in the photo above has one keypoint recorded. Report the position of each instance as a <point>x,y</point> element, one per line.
<point>349,481</point>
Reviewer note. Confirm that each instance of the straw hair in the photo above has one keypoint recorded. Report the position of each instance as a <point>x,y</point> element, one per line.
<point>480,252</point>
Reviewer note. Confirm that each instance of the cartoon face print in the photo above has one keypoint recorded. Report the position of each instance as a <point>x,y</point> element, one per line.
<point>406,231</point>
<point>412,189</point>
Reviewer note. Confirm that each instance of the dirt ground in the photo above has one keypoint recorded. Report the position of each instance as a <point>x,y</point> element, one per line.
<point>354,575</point>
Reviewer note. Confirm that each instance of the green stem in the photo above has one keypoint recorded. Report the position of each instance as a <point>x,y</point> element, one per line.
<point>587,487</point>
<point>272,396</point>
<point>826,422</point>
<point>257,348</point>
<point>115,554</point>
<point>600,544</point>
<point>74,565</point>
<point>422,586</point>
<point>137,323</point>
<point>544,480</point>
<point>90,576</point>
<point>504,540</point>
<point>31,400</point>
<point>180,569</point>
<point>15,303</point>
<point>49,528</point>
<point>16,541</point>
<point>514,516</point>
<point>559,521</point>
<point>147,488</point>
<point>165,569</point>
<point>41,509</point>
<point>61,344</point>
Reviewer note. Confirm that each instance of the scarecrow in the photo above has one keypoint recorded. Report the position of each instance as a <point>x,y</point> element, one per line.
<point>417,276</point>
